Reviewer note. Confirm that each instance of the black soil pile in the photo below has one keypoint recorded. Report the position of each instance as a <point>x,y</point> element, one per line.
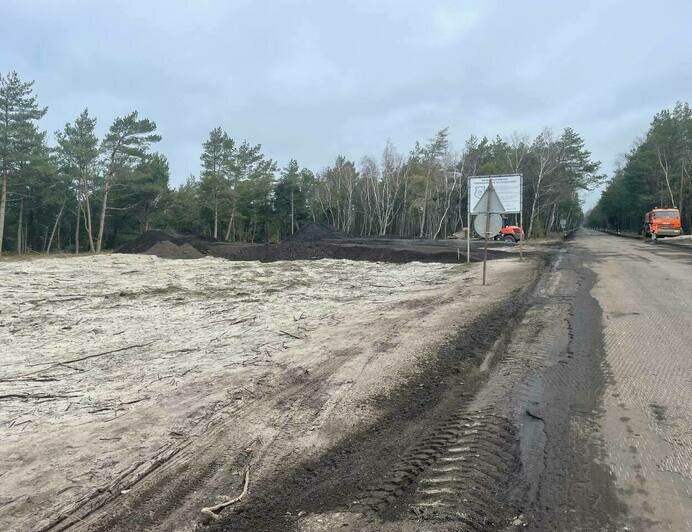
<point>169,250</point>
<point>168,245</point>
<point>324,250</point>
<point>306,246</point>
<point>314,232</point>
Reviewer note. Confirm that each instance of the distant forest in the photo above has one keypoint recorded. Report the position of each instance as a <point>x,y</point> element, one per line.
<point>655,173</point>
<point>82,193</point>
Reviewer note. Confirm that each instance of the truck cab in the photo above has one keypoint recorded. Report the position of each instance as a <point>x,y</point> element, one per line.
<point>662,222</point>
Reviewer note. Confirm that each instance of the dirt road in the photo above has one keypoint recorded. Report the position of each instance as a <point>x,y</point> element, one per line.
<point>645,292</point>
<point>579,418</point>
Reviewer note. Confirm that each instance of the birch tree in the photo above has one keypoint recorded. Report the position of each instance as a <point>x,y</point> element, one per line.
<point>546,151</point>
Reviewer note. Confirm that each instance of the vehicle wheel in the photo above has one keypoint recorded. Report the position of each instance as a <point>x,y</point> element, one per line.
<point>509,238</point>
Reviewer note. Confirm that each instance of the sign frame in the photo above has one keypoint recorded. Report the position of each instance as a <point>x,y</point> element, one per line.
<point>520,211</point>
<point>498,185</point>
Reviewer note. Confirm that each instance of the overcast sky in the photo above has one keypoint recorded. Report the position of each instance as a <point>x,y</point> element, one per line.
<point>311,80</point>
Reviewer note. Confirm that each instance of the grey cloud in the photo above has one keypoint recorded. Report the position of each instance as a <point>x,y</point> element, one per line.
<point>313,79</point>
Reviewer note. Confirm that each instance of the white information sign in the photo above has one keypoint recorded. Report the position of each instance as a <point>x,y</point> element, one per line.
<point>508,188</point>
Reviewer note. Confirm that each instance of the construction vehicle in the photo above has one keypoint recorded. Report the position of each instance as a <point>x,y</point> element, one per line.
<point>509,233</point>
<point>662,222</point>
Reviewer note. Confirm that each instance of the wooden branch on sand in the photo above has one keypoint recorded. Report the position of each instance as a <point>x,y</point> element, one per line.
<point>52,365</point>
<point>292,335</point>
<point>211,511</point>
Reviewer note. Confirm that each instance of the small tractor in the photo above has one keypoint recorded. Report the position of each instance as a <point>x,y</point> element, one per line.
<point>509,233</point>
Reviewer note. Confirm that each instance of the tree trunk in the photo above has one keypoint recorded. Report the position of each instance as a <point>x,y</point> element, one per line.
<point>663,163</point>
<point>55,227</point>
<point>3,204</point>
<point>106,189</point>
<point>404,210</point>
<point>292,213</point>
<point>19,226</point>
<point>76,231</point>
<point>532,216</point>
<point>216,218</point>
<point>552,217</point>
<point>443,218</point>
<point>231,225</point>
<point>87,208</point>
<point>425,206</point>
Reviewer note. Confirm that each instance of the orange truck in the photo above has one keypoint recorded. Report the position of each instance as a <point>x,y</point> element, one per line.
<point>662,222</point>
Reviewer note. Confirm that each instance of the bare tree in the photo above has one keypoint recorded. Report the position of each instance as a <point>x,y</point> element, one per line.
<point>547,155</point>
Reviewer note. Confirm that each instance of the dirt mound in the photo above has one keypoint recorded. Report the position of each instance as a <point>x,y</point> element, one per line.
<point>168,245</point>
<point>314,241</point>
<point>168,250</point>
<point>343,249</point>
<point>314,232</point>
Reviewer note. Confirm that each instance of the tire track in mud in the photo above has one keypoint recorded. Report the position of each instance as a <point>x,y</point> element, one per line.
<point>347,478</point>
<point>461,473</point>
<point>520,450</point>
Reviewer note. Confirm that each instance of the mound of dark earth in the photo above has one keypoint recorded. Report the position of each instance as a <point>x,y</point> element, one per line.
<point>314,232</point>
<point>168,245</point>
<point>334,245</point>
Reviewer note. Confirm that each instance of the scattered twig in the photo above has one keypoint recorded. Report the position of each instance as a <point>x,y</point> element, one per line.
<point>17,424</point>
<point>106,353</point>
<point>79,359</point>
<point>33,379</point>
<point>292,335</point>
<point>234,321</point>
<point>27,396</point>
<point>534,416</point>
<point>70,367</point>
<point>118,405</point>
<point>211,511</point>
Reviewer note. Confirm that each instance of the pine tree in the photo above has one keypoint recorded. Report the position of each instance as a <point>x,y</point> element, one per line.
<point>19,134</point>
<point>78,156</point>
<point>217,158</point>
<point>127,143</point>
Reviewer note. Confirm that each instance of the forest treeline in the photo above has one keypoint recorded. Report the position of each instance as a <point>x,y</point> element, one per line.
<point>654,173</point>
<point>84,193</point>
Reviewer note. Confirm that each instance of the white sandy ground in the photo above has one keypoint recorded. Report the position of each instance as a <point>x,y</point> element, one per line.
<point>106,361</point>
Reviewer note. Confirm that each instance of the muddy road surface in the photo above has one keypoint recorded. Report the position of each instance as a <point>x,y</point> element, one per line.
<point>576,416</point>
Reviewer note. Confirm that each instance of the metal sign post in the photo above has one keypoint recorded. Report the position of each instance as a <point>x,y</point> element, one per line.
<point>468,235</point>
<point>489,220</point>
<point>489,191</point>
<point>521,236</point>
